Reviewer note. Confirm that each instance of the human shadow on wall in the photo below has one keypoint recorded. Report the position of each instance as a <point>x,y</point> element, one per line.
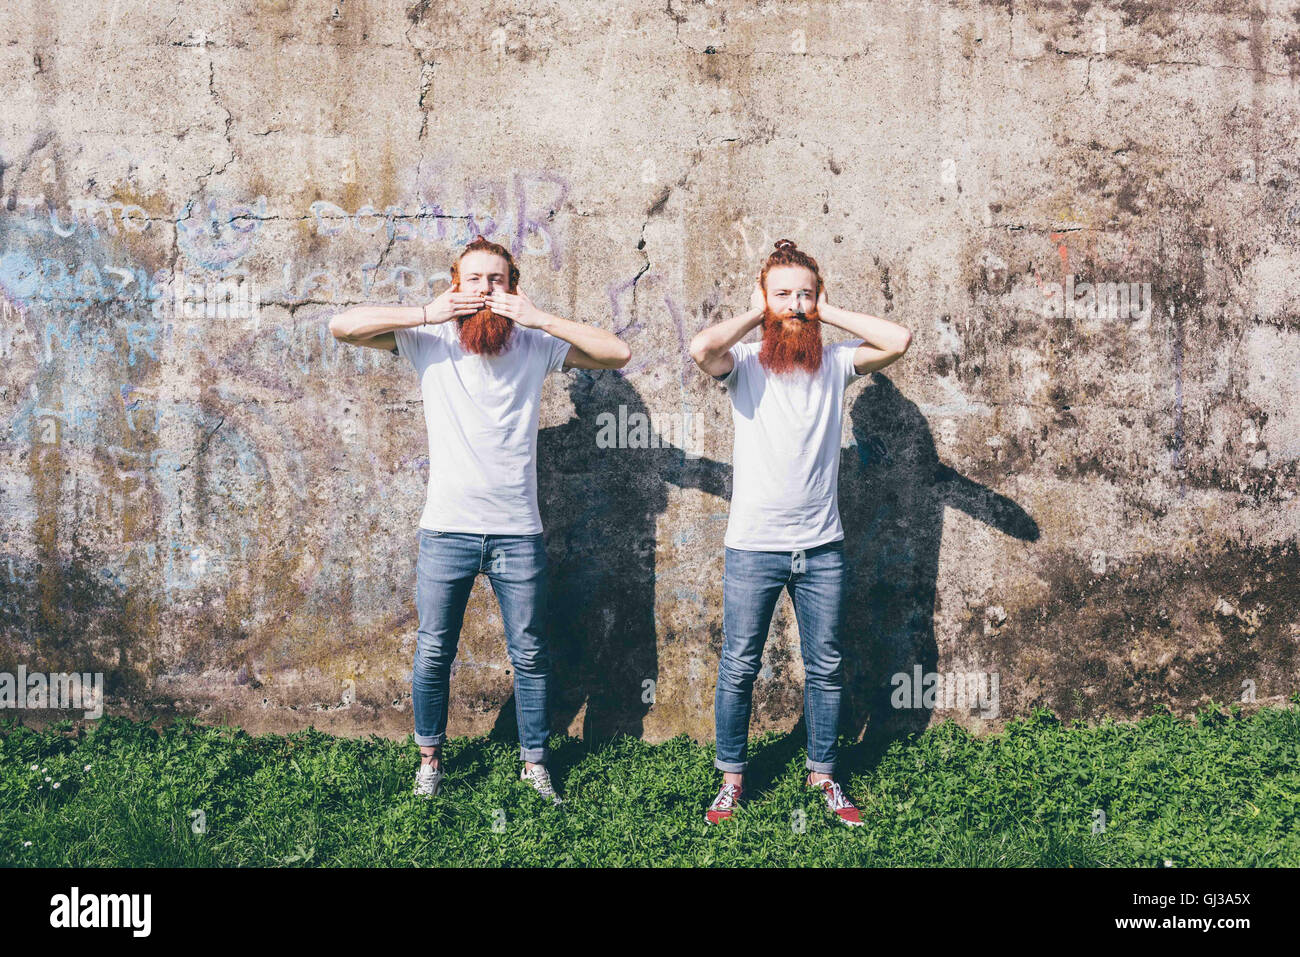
<point>893,492</point>
<point>599,508</point>
<point>893,495</point>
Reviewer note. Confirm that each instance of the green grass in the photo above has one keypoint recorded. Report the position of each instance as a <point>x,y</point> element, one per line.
<point>1222,790</point>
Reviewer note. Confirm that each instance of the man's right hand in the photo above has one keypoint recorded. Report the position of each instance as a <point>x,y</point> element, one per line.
<point>452,304</point>
<point>756,299</point>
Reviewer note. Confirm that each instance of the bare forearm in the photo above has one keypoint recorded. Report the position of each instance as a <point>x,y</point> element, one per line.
<point>876,332</point>
<point>713,341</point>
<point>359,323</point>
<point>601,345</point>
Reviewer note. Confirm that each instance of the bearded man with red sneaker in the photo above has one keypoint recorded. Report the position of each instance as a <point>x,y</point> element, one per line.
<point>783,530</point>
<point>481,351</point>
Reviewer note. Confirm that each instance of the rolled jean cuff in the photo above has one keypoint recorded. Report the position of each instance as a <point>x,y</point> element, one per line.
<point>532,755</point>
<point>731,767</point>
<point>820,767</point>
<point>429,740</point>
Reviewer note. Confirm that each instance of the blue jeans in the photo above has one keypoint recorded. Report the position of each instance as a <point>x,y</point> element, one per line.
<point>751,584</point>
<point>445,570</point>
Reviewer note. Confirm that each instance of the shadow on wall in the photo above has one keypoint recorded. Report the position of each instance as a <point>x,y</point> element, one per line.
<point>892,496</point>
<point>893,493</point>
<point>600,512</point>
<point>599,508</point>
<point>58,615</point>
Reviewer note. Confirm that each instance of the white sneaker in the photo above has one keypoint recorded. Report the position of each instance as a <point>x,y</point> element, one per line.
<point>428,780</point>
<point>540,779</point>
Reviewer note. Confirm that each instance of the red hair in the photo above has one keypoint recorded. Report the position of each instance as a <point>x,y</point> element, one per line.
<point>786,253</point>
<point>480,244</point>
<point>785,349</point>
<point>485,333</point>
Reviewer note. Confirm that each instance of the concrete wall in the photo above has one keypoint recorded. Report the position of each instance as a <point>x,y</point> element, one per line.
<point>220,513</point>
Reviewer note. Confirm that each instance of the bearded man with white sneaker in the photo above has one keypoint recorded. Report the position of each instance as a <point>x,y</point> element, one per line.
<point>481,351</point>
<point>784,530</point>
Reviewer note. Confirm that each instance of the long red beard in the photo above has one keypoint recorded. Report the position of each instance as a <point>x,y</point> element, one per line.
<point>485,333</point>
<point>785,349</point>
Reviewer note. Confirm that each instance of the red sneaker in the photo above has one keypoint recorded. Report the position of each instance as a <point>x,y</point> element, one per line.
<point>725,804</point>
<point>838,803</point>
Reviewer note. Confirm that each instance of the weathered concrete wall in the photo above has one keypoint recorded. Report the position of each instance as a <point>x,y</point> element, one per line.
<point>221,514</point>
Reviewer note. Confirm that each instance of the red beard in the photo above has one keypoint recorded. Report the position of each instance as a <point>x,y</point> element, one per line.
<point>785,349</point>
<point>485,333</point>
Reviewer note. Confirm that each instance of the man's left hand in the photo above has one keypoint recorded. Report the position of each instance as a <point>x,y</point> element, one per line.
<point>825,311</point>
<point>517,307</point>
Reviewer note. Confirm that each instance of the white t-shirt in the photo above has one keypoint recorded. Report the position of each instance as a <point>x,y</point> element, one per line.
<point>481,415</point>
<point>785,465</point>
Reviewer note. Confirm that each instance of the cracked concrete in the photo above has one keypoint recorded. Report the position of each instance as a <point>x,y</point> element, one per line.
<point>220,513</point>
